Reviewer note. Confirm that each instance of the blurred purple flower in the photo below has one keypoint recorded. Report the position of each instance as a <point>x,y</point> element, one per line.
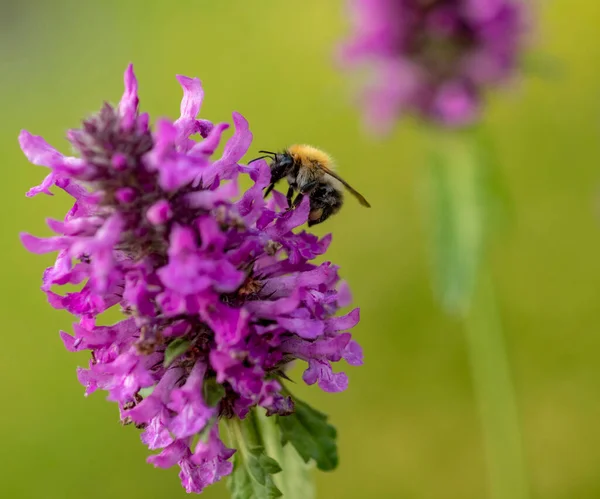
<point>433,57</point>
<point>219,295</point>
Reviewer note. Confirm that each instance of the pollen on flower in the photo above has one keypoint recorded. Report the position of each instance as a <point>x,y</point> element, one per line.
<point>217,291</point>
<point>433,58</point>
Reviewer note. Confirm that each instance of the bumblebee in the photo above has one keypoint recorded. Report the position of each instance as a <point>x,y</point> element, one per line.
<point>309,172</point>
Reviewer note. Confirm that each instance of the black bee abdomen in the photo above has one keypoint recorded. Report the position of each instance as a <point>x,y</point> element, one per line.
<point>325,200</point>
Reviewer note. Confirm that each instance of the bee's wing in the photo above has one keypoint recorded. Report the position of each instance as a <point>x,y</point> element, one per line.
<point>357,195</point>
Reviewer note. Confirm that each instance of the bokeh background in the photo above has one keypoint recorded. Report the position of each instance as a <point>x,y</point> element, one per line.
<point>408,425</point>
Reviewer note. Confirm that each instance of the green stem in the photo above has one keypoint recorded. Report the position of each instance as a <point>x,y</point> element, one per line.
<point>244,436</point>
<point>271,438</point>
<point>465,198</point>
<point>295,481</point>
<point>234,431</point>
<point>495,395</point>
<point>257,430</point>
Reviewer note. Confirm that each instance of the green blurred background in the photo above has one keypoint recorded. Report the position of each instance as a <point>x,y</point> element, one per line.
<point>408,425</point>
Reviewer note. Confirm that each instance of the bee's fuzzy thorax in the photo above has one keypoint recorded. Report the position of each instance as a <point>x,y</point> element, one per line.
<point>308,154</point>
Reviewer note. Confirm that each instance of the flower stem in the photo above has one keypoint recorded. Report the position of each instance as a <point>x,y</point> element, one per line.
<point>257,439</point>
<point>243,435</point>
<point>465,204</point>
<point>495,395</point>
<point>295,481</point>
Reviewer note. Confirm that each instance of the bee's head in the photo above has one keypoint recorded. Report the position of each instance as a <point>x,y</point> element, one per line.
<point>281,165</point>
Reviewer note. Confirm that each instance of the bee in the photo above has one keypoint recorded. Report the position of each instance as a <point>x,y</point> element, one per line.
<point>309,172</point>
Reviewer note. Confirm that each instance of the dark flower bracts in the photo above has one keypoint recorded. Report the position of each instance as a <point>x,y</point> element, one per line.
<point>217,291</point>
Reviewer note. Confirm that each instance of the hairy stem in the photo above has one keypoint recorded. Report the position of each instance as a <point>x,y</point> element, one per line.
<point>495,394</point>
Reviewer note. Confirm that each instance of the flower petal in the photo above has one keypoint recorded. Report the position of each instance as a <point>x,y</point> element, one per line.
<point>193,94</point>
<point>321,372</point>
<point>129,102</point>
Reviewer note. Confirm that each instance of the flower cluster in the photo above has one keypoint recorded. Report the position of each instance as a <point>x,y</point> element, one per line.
<point>216,289</point>
<point>433,57</point>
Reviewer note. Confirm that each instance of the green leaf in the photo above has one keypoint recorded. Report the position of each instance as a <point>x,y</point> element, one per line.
<point>269,464</point>
<point>465,205</point>
<point>295,480</point>
<point>257,471</point>
<point>308,431</point>
<point>250,479</point>
<point>297,475</point>
<point>176,348</point>
<point>146,392</point>
<point>253,469</point>
<point>212,392</point>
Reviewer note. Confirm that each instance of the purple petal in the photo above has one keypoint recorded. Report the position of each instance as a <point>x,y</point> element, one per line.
<point>192,96</point>
<point>207,466</point>
<point>89,337</point>
<point>189,272</point>
<point>61,268</point>
<point>455,104</point>
<point>212,448</point>
<point>290,220</point>
<point>226,167</point>
<point>164,142</point>
<point>230,325</point>
<point>324,274</point>
<point>44,187</point>
<point>281,405</point>
<point>159,213</point>
<point>38,151</point>
<point>221,362</point>
<point>129,102</point>
<point>157,400</point>
<point>320,371</point>
<point>344,295</point>
<point>211,142</point>
<point>156,435</point>
<point>204,127</point>
<point>239,143</point>
<point>171,455</point>
<point>332,349</point>
<point>192,413</point>
<point>483,10</point>
<point>213,239</point>
<point>195,478</point>
<point>209,199</point>
<point>252,204</point>
<point>353,354</point>
<point>305,328</point>
<point>273,309</point>
<point>187,125</point>
<point>175,169</point>
<point>39,245</point>
<point>344,322</point>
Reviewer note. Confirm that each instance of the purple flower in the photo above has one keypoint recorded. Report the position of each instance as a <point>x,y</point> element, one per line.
<point>433,57</point>
<point>217,291</point>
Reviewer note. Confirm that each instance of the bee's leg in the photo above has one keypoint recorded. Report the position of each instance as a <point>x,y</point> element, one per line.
<point>306,188</point>
<point>290,194</point>
<point>298,199</point>
<point>321,211</point>
<point>326,213</point>
<point>269,189</point>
